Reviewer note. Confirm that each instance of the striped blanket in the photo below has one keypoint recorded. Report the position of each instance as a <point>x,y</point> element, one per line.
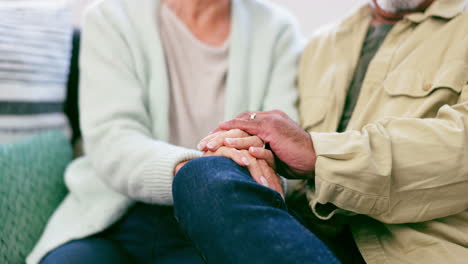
<point>35,50</point>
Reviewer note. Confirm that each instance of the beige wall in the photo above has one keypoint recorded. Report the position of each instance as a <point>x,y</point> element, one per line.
<point>311,14</point>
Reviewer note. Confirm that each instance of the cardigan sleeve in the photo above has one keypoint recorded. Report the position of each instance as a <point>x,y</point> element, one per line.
<point>282,91</point>
<point>115,121</point>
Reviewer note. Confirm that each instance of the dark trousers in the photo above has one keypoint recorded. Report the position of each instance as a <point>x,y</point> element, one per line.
<point>223,217</point>
<point>146,234</point>
<point>232,219</point>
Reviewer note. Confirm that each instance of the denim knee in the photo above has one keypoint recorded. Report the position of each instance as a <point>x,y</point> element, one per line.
<point>207,181</point>
<point>204,176</point>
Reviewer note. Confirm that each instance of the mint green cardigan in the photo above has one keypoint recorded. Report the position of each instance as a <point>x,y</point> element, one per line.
<point>124,107</point>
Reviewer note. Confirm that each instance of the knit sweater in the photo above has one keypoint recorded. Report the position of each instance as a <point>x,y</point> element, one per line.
<point>124,102</point>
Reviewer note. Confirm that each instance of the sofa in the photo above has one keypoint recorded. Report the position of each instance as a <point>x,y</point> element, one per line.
<point>31,176</point>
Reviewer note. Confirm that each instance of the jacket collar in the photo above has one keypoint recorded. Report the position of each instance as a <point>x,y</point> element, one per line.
<point>446,9</point>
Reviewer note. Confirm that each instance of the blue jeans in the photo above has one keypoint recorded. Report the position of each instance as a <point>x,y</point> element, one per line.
<point>232,219</point>
<point>146,234</point>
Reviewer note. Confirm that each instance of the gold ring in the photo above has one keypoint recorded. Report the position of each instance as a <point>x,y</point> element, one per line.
<point>253,115</point>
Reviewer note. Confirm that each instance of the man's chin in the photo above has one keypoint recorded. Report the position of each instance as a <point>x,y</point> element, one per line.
<point>396,6</point>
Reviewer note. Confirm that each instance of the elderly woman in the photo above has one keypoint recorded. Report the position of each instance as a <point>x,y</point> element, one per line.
<point>157,76</point>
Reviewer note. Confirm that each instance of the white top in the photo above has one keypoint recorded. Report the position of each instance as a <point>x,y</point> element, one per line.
<point>197,79</point>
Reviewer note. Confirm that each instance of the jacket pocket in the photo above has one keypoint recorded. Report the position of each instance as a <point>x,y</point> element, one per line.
<point>413,83</point>
<point>313,110</point>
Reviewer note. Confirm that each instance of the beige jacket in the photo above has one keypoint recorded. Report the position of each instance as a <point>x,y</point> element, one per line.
<point>403,162</point>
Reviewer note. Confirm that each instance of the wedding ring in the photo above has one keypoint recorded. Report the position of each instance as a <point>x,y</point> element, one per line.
<point>252,116</point>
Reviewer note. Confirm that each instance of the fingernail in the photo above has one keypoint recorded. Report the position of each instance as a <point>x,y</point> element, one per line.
<point>253,149</point>
<point>199,146</point>
<point>211,145</point>
<point>230,140</point>
<point>245,161</point>
<point>264,181</point>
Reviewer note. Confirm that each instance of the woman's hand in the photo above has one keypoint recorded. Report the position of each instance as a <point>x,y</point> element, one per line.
<point>217,140</point>
<point>247,151</point>
<point>179,166</point>
<point>239,140</point>
<point>259,169</point>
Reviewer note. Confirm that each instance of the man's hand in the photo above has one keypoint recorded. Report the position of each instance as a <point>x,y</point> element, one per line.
<point>289,142</point>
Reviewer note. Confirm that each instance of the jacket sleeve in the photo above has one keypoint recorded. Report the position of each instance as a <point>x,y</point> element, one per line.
<point>397,170</point>
<point>282,91</point>
<point>115,121</point>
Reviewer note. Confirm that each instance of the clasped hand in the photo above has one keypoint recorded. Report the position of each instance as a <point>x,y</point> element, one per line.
<point>247,151</point>
<point>243,139</point>
<point>291,151</point>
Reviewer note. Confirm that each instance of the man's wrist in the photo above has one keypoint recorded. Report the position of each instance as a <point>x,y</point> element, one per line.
<point>312,173</point>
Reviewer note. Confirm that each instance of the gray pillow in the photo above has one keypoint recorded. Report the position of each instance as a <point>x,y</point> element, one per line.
<point>35,51</point>
<point>31,187</point>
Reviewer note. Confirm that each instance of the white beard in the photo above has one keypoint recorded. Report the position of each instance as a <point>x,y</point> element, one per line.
<point>395,6</point>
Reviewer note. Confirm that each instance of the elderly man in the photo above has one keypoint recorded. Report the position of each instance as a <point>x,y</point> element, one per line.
<point>384,154</point>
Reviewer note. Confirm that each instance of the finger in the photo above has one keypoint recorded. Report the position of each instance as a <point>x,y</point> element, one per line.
<point>255,171</point>
<point>258,115</point>
<point>218,140</point>
<point>251,126</point>
<point>248,116</point>
<point>241,158</point>
<point>244,142</point>
<point>202,144</point>
<point>263,154</point>
<point>269,176</point>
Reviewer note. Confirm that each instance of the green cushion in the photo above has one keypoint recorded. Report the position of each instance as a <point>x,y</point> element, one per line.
<point>31,187</point>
